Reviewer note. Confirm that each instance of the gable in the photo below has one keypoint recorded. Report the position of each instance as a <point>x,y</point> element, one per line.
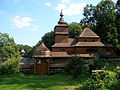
<point>87,32</point>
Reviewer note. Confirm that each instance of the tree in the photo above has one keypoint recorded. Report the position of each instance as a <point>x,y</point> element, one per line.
<point>48,39</point>
<point>102,16</point>
<point>74,30</point>
<point>89,11</point>
<point>105,16</point>
<point>118,18</point>
<point>8,48</point>
<point>9,55</point>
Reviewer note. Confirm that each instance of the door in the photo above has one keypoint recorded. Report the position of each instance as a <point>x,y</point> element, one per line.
<point>42,68</point>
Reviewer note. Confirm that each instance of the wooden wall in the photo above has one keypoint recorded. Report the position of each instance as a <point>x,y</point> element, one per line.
<point>61,38</point>
<point>88,39</point>
<point>63,49</point>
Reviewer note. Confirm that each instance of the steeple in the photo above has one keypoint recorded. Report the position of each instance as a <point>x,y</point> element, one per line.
<point>61,20</point>
<point>61,31</point>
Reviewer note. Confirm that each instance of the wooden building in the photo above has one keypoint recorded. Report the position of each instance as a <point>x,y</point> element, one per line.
<point>86,45</point>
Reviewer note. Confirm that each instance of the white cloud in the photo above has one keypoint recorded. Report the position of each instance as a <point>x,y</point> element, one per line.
<point>24,22</point>
<point>65,1</point>
<point>20,22</point>
<point>60,6</point>
<point>72,9</point>
<point>48,4</point>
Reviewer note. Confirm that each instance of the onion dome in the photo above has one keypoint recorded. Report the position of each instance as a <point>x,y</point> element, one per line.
<point>61,20</point>
<point>22,51</point>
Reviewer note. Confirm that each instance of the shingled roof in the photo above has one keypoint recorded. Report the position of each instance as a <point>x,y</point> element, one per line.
<point>87,32</point>
<point>98,44</point>
<point>69,44</point>
<point>42,47</point>
<point>42,51</point>
<point>61,45</point>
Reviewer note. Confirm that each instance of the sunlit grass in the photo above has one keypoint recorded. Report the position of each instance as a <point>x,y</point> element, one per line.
<point>29,82</point>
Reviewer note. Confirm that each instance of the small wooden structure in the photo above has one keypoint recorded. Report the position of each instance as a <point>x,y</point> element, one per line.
<point>41,63</point>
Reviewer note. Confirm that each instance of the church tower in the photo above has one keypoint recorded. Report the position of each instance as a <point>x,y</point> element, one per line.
<point>61,31</point>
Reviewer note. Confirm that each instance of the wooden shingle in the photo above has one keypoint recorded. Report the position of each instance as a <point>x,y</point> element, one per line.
<point>87,32</point>
<point>42,51</point>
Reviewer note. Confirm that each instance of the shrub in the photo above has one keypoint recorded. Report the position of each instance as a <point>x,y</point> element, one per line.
<point>11,66</point>
<point>98,63</point>
<point>118,73</point>
<point>75,66</point>
<point>102,81</point>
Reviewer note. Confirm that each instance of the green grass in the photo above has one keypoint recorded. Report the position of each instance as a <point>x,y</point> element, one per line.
<point>52,82</point>
<point>30,82</point>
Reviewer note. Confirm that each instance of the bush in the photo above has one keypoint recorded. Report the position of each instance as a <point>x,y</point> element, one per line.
<point>118,49</point>
<point>10,67</point>
<point>75,66</point>
<point>118,73</point>
<point>98,63</point>
<point>102,81</point>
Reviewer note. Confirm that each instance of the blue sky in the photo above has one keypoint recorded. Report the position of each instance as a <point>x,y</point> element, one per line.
<point>28,20</point>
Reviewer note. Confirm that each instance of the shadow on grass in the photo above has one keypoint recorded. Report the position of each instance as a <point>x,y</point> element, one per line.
<point>21,81</point>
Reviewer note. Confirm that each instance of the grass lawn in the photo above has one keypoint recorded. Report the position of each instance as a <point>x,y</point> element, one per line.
<point>58,82</point>
<point>29,82</point>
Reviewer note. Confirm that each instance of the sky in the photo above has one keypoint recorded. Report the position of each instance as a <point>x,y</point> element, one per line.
<point>28,20</point>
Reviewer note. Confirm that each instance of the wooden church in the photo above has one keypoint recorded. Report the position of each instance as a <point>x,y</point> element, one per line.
<point>86,45</point>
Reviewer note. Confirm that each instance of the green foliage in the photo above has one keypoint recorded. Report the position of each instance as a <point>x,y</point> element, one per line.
<point>105,11</point>
<point>74,30</point>
<point>8,48</point>
<point>94,83</point>
<point>98,16</point>
<point>89,11</point>
<point>101,81</point>
<point>107,80</point>
<point>48,39</point>
<point>60,72</point>
<point>75,66</point>
<point>118,18</point>
<point>118,72</point>
<point>9,55</point>
<point>98,63</point>
<point>10,67</point>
